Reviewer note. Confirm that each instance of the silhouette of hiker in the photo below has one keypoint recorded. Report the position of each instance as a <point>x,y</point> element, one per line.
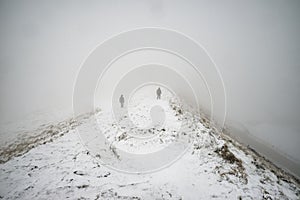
<point>158,93</point>
<point>122,100</point>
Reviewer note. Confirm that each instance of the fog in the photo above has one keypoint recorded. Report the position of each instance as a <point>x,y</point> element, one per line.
<point>255,45</point>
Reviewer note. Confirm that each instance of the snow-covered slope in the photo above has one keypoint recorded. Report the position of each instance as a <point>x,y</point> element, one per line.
<point>55,164</point>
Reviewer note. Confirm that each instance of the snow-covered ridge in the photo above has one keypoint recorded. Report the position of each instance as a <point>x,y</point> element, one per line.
<point>42,135</point>
<point>55,165</point>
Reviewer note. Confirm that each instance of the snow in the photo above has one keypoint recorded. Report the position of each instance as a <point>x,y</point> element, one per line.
<point>213,166</point>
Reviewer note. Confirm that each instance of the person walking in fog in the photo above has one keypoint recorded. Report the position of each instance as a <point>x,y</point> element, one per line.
<point>158,93</point>
<point>122,100</point>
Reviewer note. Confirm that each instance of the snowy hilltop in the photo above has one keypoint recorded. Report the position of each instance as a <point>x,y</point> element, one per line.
<point>55,164</point>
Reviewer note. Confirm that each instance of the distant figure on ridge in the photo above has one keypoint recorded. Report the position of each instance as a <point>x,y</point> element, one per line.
<point>122,100</point>
<point>158,93</point>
